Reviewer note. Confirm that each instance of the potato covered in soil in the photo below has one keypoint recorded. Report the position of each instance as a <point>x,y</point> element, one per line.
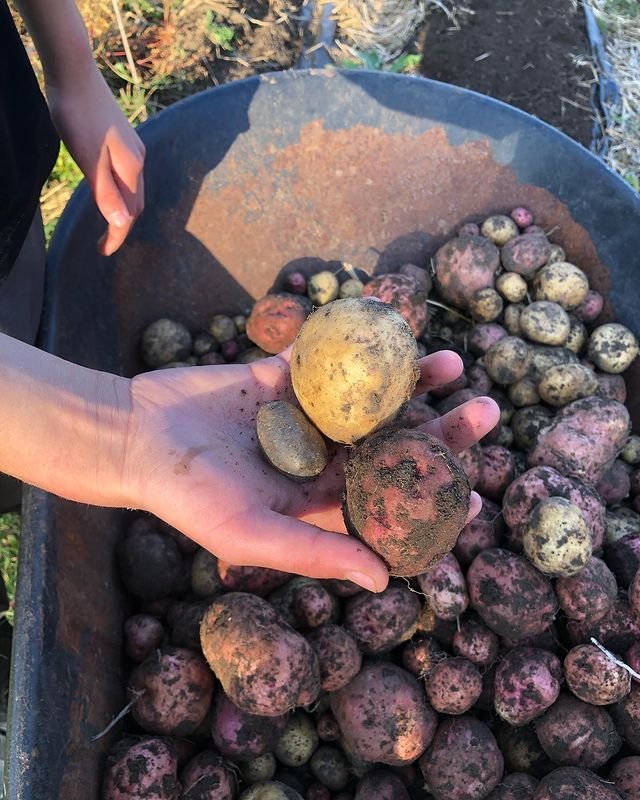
<point>482,337</point>
<point>260,768</point>
<point>512,287</point>
<point>611,386</point>
<point>521,750</point>
<point>527,423</point>
<point>305,603</point>
<point>381,785</point>
<point>634,594</point>
<point>517,786</point>
<point>612,348</point>
<point>527,683</point>
<point>164,341</point>
<point>173,689</point>
<point>150,565</point>
<point>322,288</point>
<point>354,365</point>
<point>589,594</point>
<point>510,595</point>
<point>270,790</point>
<point>557,539</point>
<point>499,228</point>
<point>383,715</point>
<point>625,776</point>
<point>591,308</point>
<point>143,634</point>
<point>237,734</point>
<point>463,762</point>
<point>563,384</point>
<point>574,733</point>
<point>297,741</point>
<point>484,531</point>
<point>420,655</point>
<point>562,283</point>
<point>207,777</point>
<point>445,588</point>
<point>403,293</point>
<point>594,677</point>
<point>614,483</point>
<point>626,714</point>
<point>256,580</point>
<point>497,471</point>
<point>289,441</point>
<point>545,323</point>
<point>338,656</point>
<point>352,287</point>
<point>463,265</point>
<point>617,630</point>
<point>623,558</point>
<point>379,622</point>
<point>330,767</point>
<point>507,361</point>
<point>275,321</point>
<point>264,666</point>
<point>583,438</point>
<point>485,305</point>
<point>453,686</point>
<point>475,642</point>
<point>524,393</point>
<point>407,497</point>
<point>526,253</point>
<point>144,769</point>
<point>572,783</point>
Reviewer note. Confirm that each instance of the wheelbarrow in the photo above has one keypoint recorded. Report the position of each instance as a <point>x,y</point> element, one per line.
<point>244,182</point>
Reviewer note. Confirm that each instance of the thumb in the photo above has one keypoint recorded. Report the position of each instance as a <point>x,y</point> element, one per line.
<point>111,205</point>
<point>269,539</point>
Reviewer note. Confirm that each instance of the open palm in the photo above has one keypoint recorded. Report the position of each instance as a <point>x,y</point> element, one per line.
<point>194,461</point>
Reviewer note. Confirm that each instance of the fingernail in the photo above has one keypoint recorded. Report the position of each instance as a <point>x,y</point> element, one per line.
<point>362,580</point>
<point>119,219</point>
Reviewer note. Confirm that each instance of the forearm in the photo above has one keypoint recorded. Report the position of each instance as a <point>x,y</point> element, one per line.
<point>60,37</point>
<point>64,426</point>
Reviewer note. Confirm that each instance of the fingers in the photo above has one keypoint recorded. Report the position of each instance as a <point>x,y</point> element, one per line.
<point>475,507</point>
<point>437,369</point>
<point>272,540</point>
<point>465,425</point>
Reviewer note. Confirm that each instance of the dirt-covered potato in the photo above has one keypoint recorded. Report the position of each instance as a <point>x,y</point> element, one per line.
<point>617,630</point>
<point>142,769</point>
<point>338,655</point>
<point>403,293</point>
<point>578,335</point>
<point>631,450</point>
<point>463,762</point>
<point>173,689</point>
<point>289,441</point>
<point>142,634</point>
<point>322,288</point>
<point>382,698</point>
<point>526,253</point>
<point>256,580</point>
<point>626,714</point>
<point>205,579</point>
<point>305,603</point>
<point>499,228</point>
<point>330,767</point>
<point>625,776</point>
<point>507,361</point>
<point>589,594</point>
<point>527,683</point>
<point>183,620</point>
<point>612,348</point>
<point>591,308</point>
<point>485,305</point>
<point>407,497</point>
<point>207,777</point>
<point>521,750</point>
<point>545,323</point>
<point>512,287</point>
<point>482,337</point>
<point>164,341</point>
<point>510,595</point>
<point>594,677</point>
<point>557,539</point>
<point>353,366</point>
<point>562,385</point>
<point>497,471</point>
<point>527,422</point>
<point>275,321</point>
<point>242,736</point>
<point>298,741</point>
<point>463,265</point>
<point>524,393</point>
<point>575,733</point>
<point>484,531</point>
<point>517,786</point>
<point>352,287</point>
<point>420,655</point>
<point>614,484</point>
<point>150,564</point>
<point>260,768</point>
<point>453,686</point>
<point>270,790</point>
<point>511,318</point>
<point>379,622</point>
<point>543,357</point>
<point>572,783</point>
<point>562,283</point>
<point>445,588</point>
<point>381,785</point>
<point>264,666</point>
<point>475,642</point>
<point>611,386</point>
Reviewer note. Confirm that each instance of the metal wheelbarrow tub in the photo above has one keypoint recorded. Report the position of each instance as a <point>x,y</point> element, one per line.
<point>287,170</point>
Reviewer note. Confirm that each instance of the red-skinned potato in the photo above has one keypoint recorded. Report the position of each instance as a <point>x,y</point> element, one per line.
<point>626,714</point>
<point>379,622</point>
<point>144,769</point>
<point>445,588</point>
<point>594,677</point>
<point>420,655</point>
<point>497,471</point>
<point>475,642</point>
<point>517,786</point>
<point>255,580</point>
<point>143,634</point>
<point>481,533</point>
<point>338,656</point>
<point>617,630</point>
<point>589,594</point>
<point>206,777</point>
<point>526,253</point>
<point>527,683</point>
<point>464,265</point>
<point>243,736</point>
<point>572,783</point>
<point>625,776</point>
<point>381,785</point>
<point>403,293</point>
<point>275,321</point>
<point>453,686</point>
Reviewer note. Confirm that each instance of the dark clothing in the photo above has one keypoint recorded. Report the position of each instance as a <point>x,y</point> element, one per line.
<point>28,144</point>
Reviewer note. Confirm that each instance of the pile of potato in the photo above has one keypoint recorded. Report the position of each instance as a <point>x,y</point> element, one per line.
<point>507,670</point>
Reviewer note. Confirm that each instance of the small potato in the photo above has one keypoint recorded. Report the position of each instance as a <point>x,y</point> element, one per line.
<point>469,229</point>
<point>481,533</point>
<point>295,282</point>
<point>591,308</point>
<point>511,319</point>
<point>352,287</point>
<point>404,294</point>
<point>483,336</point>
<point>381,785</point>
<point>207,777</point>
<point>478,379</point>
<point>421,276</point>
<point>556,254</point>
<point>445,588</point>
<point>322,288</point>
<point>589,594</point>
<point>562,385</point>
<point>150,565</point>
<point>527,683</point>
<point>242,736</point>
<point>165,341</point>
<point>338,656</point>
<point>203,343</point>
<point>512,287</point>
<point>517,786</point>
<point>354,364</point>
<point>522,217</point>
<point>379,622</point>
<point>507,360</point>
<point>631,449</point>
<point>527,423</point>
<point>562,283</point>
<point>612,386</point>
<point>453,686</point>
<point>578,335</point>
<point>289,441</point>
<point>420,655</point>
<point>497,471</point>
<point>557,539</point>
<point>260,768</point>
<point>143,634</point>
<point>612,348</point>
<point>270,790</point>
<point>524,393</point>
<point>485,305</point>
<point>475,642</point>
<point>205,579</point>
<point>545,323</point>
<point>252,354</point>
<point>329,765</point>
<point>275,321</point>
<point>222,328</point>
<point>593,677</point>
<point>526,253</point>
<point>499,229</point>
<point>298,741</point>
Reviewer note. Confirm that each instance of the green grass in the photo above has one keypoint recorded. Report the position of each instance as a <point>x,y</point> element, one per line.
<point>9,546</point>
<point>623,8</point>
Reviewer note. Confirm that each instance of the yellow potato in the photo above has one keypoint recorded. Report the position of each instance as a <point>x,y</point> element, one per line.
<point>354,365</point>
